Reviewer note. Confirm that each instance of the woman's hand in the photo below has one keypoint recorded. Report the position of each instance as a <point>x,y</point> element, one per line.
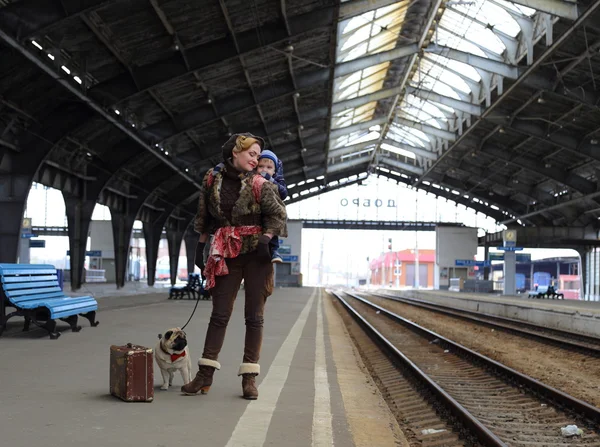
<point>264,254</point>
<point>199,259</point>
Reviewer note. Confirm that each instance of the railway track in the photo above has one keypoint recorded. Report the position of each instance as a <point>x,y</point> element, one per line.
<point>572,341</point>
<point>464,397</point>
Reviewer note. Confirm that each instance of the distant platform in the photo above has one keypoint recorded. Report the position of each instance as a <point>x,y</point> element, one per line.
<point>573,315</point>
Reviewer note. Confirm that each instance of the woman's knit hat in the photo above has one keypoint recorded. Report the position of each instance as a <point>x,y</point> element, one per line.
<point>242,140</point>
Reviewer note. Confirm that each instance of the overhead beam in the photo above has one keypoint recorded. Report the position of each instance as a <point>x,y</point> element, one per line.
<point>430,130</point>
<point>399,165</point>
<point>466,187</point>
<point>207,55</point>
<point>559,8</point>
<point>480,207</point>
<point>483,63</point>
<point>335,133</point>
<point>334,153</point>
<point>456,104</point>
<point>407,147</point>
<point>336,167</point>
<point>355,8</point>
<point>324,189</point>
<point>533,164</point>
<point>559,138</point>
<point>426,22</point>
<point>364,99</point>
<point>70,86</point>
<point>565,36</point>
<point>346,68</point>
<point>553,207</point>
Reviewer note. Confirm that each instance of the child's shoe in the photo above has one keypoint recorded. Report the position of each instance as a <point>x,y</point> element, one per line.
<point>276,258</point>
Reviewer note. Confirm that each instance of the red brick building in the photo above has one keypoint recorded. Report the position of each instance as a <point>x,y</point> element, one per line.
<point>397,268</point>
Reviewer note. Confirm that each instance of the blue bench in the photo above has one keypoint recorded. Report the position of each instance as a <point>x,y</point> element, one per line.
<point>33,290</point>
<point>193,288</point>
<point>546,292</point>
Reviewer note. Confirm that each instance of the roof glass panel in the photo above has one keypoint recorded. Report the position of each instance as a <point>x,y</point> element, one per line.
<point>369,33</point>
<point>478,27</point>
<point>397,150</point>
<point>355,138</point>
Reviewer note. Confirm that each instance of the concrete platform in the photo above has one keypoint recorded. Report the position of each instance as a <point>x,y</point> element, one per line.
<point>571,315</point>
<point>313,387</point>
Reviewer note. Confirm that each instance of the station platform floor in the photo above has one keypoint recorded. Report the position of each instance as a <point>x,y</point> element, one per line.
<point>573,315</point>
<point>314,389</point>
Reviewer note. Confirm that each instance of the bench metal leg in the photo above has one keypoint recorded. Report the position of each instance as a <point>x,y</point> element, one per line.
<point>91,316</point>
<point>3,318</point>
<point>50,326</point>
<point>72,320</point>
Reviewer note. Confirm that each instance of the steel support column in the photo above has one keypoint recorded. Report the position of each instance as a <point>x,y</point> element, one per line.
<point>174,238</point>
<point>14,190</point>
<point>122,225</point>
<point>191,241</point>
<point>79,216</point>
<point>152,235</point>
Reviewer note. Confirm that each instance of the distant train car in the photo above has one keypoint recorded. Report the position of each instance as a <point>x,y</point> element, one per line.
<point>542,279</point>
<point>570,286</point>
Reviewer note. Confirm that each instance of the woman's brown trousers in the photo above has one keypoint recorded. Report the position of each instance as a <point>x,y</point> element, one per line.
<point>258,285</point>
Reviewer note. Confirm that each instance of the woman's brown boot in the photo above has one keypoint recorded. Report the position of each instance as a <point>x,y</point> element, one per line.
<point>249,371</point>
<point>203,379</point>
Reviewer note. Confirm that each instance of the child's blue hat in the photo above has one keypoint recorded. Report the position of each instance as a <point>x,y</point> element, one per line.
<point>270,155</point>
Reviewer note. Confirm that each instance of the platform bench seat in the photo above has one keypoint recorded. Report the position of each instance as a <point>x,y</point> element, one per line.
<point>34,292</point>
<point>193,289</point>
<point>546,292</point>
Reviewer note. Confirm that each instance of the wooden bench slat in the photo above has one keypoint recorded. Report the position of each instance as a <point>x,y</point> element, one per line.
<point>22,272</point>
<point>25,298</point>
<point>29,285</point>
<point>61,307</point>
<point>21,292</point>
<point>25,279</point>
<point>57,302</point>
<point>26,266</point>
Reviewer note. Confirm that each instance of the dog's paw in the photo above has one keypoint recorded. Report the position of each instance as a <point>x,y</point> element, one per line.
<point>165,387</point>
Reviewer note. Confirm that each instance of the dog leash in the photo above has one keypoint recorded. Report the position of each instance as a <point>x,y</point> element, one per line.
<point>196,306</point>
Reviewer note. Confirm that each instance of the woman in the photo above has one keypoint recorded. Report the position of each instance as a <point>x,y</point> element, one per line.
<point>243,211</point>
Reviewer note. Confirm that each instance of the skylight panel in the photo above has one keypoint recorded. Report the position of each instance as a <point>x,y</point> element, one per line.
<point>414,132</point>
<point>459,67</point>
<point>406,138</point>
<point>399,151</point>
<point>461,26</point>
<point>444,89</point>
<point>356,22</point>
<point>350,79</point>
<point>496,16</point>
<point>458,42</point>
<point>353,154</point>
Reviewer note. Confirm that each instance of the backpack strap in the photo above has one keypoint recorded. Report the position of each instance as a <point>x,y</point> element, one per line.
<point>257,182</point>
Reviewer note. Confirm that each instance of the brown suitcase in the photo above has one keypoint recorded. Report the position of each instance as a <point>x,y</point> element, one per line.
<point>132,373</point>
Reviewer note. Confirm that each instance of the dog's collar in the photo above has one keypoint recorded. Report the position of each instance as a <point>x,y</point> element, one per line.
<point>173,356</point>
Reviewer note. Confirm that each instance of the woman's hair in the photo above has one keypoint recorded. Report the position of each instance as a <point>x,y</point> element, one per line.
<point>243,143</point>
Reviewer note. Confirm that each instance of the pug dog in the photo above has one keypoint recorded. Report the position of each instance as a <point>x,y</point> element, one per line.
<point>172,354</point>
